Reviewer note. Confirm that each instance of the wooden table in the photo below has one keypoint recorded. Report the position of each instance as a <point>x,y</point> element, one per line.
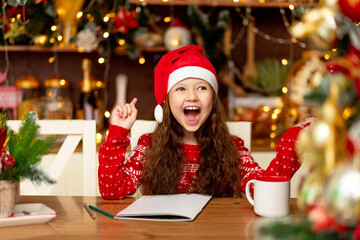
<point>222,218</point>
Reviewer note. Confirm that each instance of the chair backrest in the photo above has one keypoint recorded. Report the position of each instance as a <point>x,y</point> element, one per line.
<point>241,129</point>
<point>75,131</point>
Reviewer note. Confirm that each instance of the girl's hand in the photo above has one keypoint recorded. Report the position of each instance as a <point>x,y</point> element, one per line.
<point>124,116</point>
<point>308,122</point>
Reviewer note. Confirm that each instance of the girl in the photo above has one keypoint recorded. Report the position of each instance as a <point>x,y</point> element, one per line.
<point>191,149</point>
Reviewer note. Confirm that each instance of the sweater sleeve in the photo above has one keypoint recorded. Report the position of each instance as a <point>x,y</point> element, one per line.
<point>119,174</point>
<point>285,163</point>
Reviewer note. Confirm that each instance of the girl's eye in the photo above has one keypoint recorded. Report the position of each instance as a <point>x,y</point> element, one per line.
<point>180,89</point>
<point>202,88</point>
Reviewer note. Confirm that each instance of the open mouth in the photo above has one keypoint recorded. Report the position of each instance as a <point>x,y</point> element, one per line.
<point>192,114</point>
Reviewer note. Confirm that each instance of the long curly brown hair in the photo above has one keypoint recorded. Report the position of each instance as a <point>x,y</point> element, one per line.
<point>218,174</point>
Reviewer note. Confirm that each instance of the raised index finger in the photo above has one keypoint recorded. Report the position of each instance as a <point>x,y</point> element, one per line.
<point>133,102</point>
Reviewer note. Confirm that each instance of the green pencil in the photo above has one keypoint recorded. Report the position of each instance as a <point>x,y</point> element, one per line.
<point>101,211</point>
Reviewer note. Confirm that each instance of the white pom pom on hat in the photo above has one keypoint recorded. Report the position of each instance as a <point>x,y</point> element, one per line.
<point>158,113</point>
<point>177,65</point>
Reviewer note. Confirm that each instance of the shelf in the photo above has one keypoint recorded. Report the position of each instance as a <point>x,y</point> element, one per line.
<point>28,48</point>
<point>25,48</point>
<point>122,50</point>
<point>229,3</point>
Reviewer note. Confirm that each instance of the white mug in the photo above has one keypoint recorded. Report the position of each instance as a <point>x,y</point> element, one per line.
<point>271,196</point>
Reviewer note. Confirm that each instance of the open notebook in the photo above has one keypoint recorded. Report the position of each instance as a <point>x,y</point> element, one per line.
<point>176,207</point>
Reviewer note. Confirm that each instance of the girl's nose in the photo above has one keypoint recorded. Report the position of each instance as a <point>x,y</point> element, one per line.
<point>191,95</point>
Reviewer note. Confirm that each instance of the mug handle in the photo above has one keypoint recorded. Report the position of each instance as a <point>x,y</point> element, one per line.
<point>247,192</point>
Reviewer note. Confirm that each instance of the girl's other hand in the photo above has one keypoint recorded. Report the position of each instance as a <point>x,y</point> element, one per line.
<point>124,116</point>
<point>308,122</point>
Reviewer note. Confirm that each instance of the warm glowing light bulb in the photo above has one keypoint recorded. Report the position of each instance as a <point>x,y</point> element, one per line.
<point>167,19</point>
<point>294,40</point>
<point>52,59</point>
<point>284,90</point>
<point>273,127</point>
<point>274,116</point>
<point>13,20</point>
<point>59,38</point>
<point>272,135</point>
<point>52,40</point>
<point>42,39</point>
<point>347,113</point>
<point>106,34</point>
<point>121,42</point>
<point>266,108</point>
<point>98,137</point>
<point>99,84</point>
<point>107,114</point>
<point>101,60</point>
<point>293,112</point>
<point>141,60</point>
<point>106,19</point>
<point>272,145</point>
<point>291,7</point>
<point>284,62</point>
<point>175,42</point>
<point>235,1</point>
<point>327,56</point>
<point>62,82</point>
<point>79,15</point>
<point>54,28</point>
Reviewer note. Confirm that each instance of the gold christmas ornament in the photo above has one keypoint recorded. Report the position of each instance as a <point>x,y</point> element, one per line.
<point>308,153</point>
<point>67,10</point>
<point>342,194</point>
<point>335,146</point>
<point>333,4</point>
<point>319,26</point>
<point>311,190</point>
<point>320,134</point>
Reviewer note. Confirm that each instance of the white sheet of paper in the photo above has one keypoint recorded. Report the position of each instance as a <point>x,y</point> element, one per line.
<point>175,207</point>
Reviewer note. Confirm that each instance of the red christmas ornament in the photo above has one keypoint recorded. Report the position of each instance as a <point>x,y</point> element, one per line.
<point>351,9</point>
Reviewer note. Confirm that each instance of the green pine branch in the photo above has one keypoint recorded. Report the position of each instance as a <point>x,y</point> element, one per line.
<point>211,34</point>
<point>301,230</point>
<point>27,150</point>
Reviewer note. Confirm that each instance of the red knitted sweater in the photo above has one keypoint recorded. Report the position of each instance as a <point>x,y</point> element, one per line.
<point>119,174</point>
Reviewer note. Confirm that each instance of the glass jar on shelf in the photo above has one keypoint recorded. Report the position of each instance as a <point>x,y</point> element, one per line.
<point>56,104</point>
<point>30,87</point>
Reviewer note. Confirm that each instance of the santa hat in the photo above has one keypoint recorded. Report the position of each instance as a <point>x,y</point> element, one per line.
<point>177,65</point>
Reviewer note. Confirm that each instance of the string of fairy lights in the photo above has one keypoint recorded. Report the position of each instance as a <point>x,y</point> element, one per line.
<point>246,17</point>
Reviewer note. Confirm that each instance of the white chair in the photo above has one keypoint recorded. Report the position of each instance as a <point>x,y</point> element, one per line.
<point>240,129</point>
<point>75,131</point>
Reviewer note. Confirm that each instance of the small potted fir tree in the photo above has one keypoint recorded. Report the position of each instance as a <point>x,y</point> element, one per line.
<point>20,155</point>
